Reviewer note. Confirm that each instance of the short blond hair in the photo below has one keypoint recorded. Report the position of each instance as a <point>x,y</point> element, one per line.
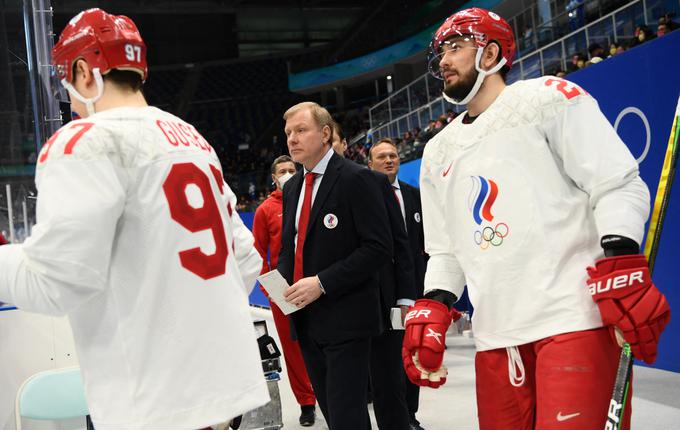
<point>319,113</point>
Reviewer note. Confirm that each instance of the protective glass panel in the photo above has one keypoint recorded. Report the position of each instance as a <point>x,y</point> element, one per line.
<point>20,139</point>
<point>552,59</point>
<point>437,110</point>
<point>403,127</point>
<point>399,104</point>
<point>576,44</point>
<point>434,88</point>
<point>418,93</point>
<point>601,33</point>
<point>380,114</point>
<point>626,20</point>
<point>531,67</point>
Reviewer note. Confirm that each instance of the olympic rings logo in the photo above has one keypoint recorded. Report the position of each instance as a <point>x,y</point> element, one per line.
<point>489,236</point>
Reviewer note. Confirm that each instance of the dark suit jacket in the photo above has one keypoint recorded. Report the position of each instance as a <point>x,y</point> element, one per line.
<point>414,225</point>
<point>397,277</point>
<point>346,258</point>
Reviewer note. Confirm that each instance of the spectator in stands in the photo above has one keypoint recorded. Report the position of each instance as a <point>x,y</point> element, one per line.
<point>419,139</point>
<point>571,66</point>
<point>615,48</point>
<point>429,131</point>
<point>450,115</point>
<point>578,62</point>
<point>408,137</point>
<point>668,23</point>
<point>267,233</point>
<point>642,34</point>
<point>402,147</point>
<point>596,52</point>
<point>358,154</point>
<point>430,126</point>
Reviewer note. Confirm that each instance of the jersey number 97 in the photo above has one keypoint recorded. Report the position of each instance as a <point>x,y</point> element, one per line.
<point>195,219</point>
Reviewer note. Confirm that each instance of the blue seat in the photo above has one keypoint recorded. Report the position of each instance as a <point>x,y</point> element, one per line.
<point>55,395</point>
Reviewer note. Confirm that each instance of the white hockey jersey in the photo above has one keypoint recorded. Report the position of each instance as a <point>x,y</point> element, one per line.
<point>515,204</point>
<point>138,242</point>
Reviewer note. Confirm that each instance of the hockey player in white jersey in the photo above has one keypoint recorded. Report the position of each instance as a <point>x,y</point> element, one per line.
<point>138,242</point>
<point>531,200</point>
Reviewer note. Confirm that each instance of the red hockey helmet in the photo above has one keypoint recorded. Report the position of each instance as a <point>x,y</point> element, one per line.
<point>105,41</point>
<point>484,26</point>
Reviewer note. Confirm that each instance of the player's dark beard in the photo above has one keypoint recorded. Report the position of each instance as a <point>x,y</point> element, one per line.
<point>459,90</point>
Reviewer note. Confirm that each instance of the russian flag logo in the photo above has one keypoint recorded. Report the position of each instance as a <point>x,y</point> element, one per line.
<point>481,199</point>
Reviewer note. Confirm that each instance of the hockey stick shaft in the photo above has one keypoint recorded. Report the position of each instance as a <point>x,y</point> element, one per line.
<point>663,192</point>
<point>617,404</point>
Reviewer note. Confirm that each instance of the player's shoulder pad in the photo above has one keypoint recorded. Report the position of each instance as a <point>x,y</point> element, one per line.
<point>551,90</point>
<point>80,139</point>
<point>540,99</point>
<point>436,150</point>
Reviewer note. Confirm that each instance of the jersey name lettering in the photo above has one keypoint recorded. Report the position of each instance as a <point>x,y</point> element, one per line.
<point>178,133</point>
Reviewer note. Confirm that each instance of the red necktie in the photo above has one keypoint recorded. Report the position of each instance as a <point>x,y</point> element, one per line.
<point>303,222</point>
<point>396,196</point>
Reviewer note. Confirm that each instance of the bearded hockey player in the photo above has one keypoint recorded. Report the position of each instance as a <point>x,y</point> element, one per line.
<point>531,200</point>
<point>137,241</point>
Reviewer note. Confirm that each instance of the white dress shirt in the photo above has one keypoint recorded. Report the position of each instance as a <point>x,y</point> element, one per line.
<point>319,169</point>
<point>397,190</point>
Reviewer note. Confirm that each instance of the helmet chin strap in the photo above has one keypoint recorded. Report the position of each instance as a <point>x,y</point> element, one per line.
<point>480,78</point>
<point>89,103</point>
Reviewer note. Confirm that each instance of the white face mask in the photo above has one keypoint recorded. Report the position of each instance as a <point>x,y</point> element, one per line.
<point>284,178</point>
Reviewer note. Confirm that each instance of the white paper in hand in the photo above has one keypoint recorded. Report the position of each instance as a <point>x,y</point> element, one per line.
<point>275,285</point>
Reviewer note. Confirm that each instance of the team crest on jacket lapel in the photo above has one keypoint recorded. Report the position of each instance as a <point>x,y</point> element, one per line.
<point>330,221</point>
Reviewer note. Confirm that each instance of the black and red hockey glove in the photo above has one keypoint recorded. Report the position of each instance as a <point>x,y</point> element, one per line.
<point>425,341</point>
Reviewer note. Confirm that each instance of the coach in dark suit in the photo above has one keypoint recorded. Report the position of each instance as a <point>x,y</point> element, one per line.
<point>397,289</point>
<point>384,158</point>
<point>335,235</point>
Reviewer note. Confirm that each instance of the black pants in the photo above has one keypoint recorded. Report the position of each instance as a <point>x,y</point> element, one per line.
<point>412,398</point>
<point>388,381</point>
<point>339,374</point>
